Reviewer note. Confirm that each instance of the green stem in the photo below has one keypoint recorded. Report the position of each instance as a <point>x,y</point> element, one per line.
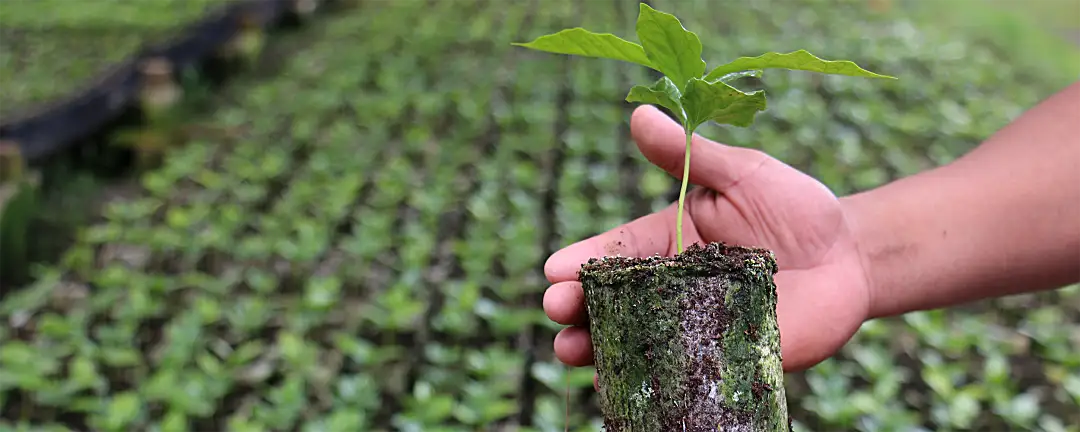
<point>682,192</point>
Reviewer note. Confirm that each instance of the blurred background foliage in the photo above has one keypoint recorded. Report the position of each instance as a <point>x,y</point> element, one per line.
<point>49,48</point>
<point>355,240</point>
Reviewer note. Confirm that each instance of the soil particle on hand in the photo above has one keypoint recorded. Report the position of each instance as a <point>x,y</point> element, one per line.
<point>614,248</point>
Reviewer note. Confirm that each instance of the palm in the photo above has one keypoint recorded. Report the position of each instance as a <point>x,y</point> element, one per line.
<point>821,284</point>
<point>761,202</point>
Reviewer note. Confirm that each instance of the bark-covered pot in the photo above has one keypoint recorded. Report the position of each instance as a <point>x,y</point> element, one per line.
<point>687,343</point>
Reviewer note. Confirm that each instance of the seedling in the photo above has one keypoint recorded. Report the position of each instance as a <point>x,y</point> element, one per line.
<point>245,47</point>
<point>689,342</point>
<point>685,90</point>
<point>158,89</point>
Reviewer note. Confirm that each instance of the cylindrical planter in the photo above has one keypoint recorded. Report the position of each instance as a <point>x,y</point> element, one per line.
<point>687,343</point>
<point>18,206</point>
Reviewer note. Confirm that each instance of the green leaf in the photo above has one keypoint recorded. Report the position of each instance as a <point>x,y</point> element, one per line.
<point>728,78</point>
<point>663,92</point>
<point>795,60</point>
<point>673,50</point>
<point>343,419</point>
<point>292,347</point>
<point>83,372</point>
<point>175,421</point>
<point>245,353</point>
<point>720,103</point>
<point>122,410</point>
<point>578,41</point>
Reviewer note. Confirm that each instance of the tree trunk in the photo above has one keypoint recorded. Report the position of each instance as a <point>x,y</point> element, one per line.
<point>689,343</point>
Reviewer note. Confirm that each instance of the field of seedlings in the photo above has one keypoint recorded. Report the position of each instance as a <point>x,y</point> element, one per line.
<point>43,39</point>
<point>361,246</point>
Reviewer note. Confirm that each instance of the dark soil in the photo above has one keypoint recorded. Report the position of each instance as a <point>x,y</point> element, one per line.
<point>713,258</point>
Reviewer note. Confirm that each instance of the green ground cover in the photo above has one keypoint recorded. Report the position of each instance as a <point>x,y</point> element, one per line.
<point>364,252</point>
<point>41,40</point>
<point>1040,34</point>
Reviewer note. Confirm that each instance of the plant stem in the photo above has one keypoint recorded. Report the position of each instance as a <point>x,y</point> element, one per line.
<point>682,192</point>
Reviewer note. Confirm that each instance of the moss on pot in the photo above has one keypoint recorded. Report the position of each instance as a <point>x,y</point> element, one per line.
<point>689,342</point>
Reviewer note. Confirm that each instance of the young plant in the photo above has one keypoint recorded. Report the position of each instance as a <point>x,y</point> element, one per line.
<point>245,47</point>
<point>689,342</point>
<point>685,90</point>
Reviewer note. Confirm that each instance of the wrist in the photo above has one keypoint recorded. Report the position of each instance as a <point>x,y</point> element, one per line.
<point>906,235</point>
<point>854,208</point>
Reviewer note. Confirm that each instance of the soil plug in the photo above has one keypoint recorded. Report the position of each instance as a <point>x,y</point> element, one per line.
<point>159,99</point>
<point>158,90</point>
<point>245,47</point>
<point>690,342</point>
<point>18,207</point>
<point>687,342</point>
<point>11,161</point>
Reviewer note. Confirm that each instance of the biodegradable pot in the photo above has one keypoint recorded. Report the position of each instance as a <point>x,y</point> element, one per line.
<point>18,207</point>
<point>687,343</point>
<point>19,190</point>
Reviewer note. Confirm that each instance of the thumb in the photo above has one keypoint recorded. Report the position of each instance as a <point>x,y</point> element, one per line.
<point>663,142</point>
<point>647,235</point>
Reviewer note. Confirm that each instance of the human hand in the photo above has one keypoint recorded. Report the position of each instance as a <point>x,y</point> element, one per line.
<point>746,198</point>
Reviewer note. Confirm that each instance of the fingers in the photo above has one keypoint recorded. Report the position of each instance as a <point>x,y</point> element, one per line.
<point>574,347</point>
<point>564,303</point>
<point>814,319</point>
<point>802,345</point>
<point>648,235</point>
<point>663,142</point>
